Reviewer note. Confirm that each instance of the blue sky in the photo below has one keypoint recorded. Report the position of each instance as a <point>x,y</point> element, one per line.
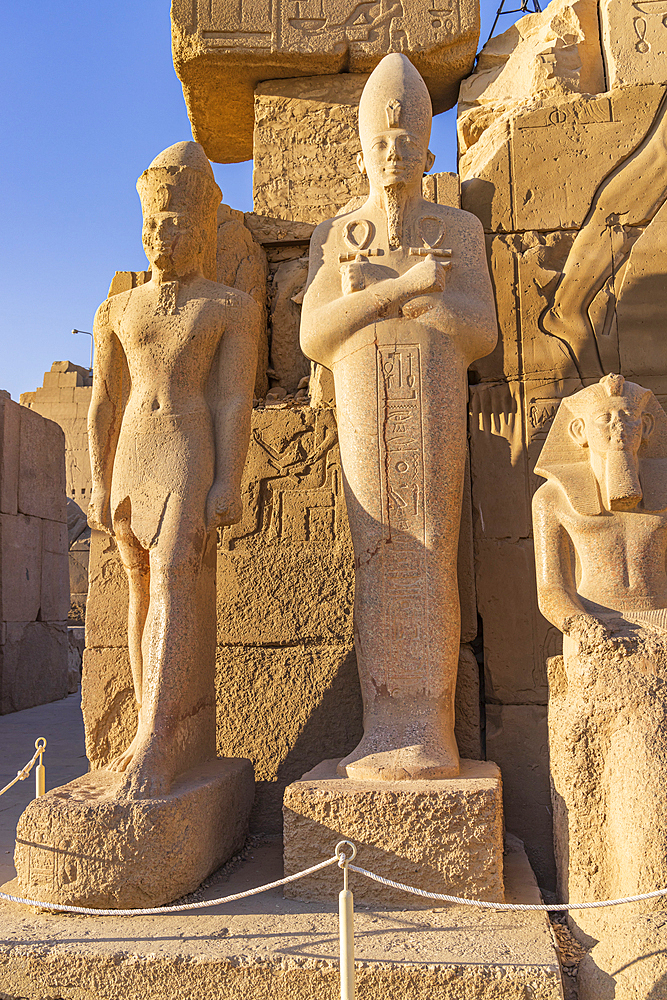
<point>90,97</point>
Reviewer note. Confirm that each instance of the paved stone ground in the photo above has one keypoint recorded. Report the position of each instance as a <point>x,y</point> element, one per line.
<point>265,946</point>
<point>61,723</point>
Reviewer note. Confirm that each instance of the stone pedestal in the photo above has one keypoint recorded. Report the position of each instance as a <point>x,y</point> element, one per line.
<point>443,836</point>
<point>80,844</point>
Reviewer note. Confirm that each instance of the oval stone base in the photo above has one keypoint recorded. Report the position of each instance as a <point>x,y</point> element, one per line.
<point>80,844</point>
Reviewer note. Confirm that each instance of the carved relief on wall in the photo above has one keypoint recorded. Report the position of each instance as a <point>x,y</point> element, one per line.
<point>292,483</point>
<point>364,26</point>
<point>611,299</point>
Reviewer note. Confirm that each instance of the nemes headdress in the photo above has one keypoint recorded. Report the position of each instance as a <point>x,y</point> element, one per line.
<point>180,179</point>
<point>395,96</point>
<point>567,463</point>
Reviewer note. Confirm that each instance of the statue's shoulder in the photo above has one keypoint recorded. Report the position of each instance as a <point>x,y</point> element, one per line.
<point>228,298</point>
<point>112,307</point>
<point>549,498</point>
<point>224,294</point>
<point>456,218</point>
<point>330,229</point>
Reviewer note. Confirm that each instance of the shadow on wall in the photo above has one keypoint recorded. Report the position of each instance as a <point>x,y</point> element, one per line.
<point>280,711</point>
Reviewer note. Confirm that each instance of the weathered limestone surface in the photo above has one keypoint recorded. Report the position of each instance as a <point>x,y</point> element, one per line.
<point>443,836</point>
<point>271,948</point>
<point>543,57</point>
<point>634,42</point>
<point>468,705</point>
<point>221,53</point>
<point>605,461</point>
<point>65,398</point>
<point>241,263</point>
<point>34,591</point>
<point>286,294</point>
<point>130,850</point>
<point>305,146</point>
<point>517,740</point>
<point>568,179</point>
<point>78,539</point>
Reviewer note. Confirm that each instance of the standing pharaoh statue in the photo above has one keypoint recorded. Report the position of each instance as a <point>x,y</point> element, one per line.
<point>600,525</point>
<point>169,426</point>
<point>166,469</point>
<point>398,304</point>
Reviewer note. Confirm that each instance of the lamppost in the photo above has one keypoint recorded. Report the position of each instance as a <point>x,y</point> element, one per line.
<point>92,342</point>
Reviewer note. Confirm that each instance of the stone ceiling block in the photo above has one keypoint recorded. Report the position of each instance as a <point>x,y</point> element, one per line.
<point>222,50</point>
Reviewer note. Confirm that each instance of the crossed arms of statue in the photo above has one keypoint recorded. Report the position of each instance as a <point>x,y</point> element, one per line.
<point>428,292</point>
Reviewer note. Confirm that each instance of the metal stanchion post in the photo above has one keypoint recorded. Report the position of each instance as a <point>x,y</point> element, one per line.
<point>40,770</point>
<point>346,924</point>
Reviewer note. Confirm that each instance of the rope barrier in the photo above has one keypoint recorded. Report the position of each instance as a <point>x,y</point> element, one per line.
<point>345,901</point>
<point>40,747</point>
<point>486,905</point>
<point>344,863</point>
<point>150,911</point>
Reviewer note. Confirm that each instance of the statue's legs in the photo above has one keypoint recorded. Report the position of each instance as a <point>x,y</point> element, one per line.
<point>176,728</point>
<point>401,414</point>
<point>136,563</point>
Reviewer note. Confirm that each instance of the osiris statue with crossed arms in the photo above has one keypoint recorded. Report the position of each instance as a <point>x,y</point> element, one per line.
<point>398,304</point>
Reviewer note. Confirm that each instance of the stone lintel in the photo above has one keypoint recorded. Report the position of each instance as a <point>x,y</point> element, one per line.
<point>445,836</point>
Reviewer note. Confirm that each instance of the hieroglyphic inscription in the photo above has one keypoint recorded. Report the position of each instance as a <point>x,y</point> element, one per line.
<point>592,112</point>
<point>42,867</point>
<point>404,580</point>
<point>375,25</point>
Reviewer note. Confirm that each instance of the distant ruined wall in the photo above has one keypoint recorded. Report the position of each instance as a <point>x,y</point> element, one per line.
<point>34,583</point>
<point>65,398</point>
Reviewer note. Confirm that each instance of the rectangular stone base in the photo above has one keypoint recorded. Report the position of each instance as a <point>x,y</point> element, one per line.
<point>444,836</point>
<point>270,948</point>
<point>79,844</point>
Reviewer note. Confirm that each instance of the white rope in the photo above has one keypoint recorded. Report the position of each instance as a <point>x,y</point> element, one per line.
<point>340,859</point>
<point>149,911</point>
<point>25,771</point>
<point>485,905</point>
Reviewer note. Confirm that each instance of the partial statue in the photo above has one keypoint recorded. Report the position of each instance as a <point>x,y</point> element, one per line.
<point>600,525</point>
<point>398,304</point>
<point>166,465</point>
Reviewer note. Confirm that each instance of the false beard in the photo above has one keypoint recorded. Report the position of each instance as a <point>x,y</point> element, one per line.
<point>623,487</point>
<point>393,203</point>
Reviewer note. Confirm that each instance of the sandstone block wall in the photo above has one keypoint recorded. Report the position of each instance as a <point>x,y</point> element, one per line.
<point>222,51</point>
<point>550,130</point>
<point>34,582</point>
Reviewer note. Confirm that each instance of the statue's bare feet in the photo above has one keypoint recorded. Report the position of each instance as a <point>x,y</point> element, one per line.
<point>405,753</point>
<point>121,762</point>
<point>148,775</point>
